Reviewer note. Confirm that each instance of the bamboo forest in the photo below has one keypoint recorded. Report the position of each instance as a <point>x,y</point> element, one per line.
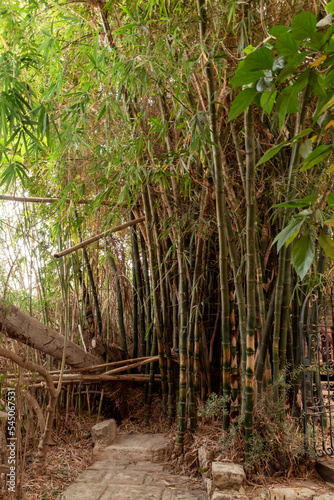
<point>166,249</point>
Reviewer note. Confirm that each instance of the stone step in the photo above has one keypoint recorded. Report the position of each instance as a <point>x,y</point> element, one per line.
<point>137,448</point>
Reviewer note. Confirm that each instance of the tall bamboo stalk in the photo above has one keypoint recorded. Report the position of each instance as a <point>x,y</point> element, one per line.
<point>119,300</point>
<point>221,211</point>
<point>250,272</point>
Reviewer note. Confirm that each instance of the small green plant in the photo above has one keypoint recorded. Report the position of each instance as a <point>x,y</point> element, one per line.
<point>277,443</point>
<point>215,406</point>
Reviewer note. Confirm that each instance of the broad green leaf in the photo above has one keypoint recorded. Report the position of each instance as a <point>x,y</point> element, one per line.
<point>286,45</point>
<point>287,102</point>
<point>330,199</point>
<point>304,25</point>
<point>244,76</point>
<point>285,73</point>
<point>271,152</point>
<point>329,222</point>
<point>241,102</point>
<point>260,59</point>
<point>278,30</point>
<point>329,78</point>
<point>288,231</point>
<point>330,7</point>
<point>317,83</point>
<point>249,49</point>
<point>267,100</point>
<point>303,254</point>
<point>317,41</point>
<point>298,59</point>
<point>327,244</point>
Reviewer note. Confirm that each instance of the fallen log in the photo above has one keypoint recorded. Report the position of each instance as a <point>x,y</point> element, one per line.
<point>20,326</point>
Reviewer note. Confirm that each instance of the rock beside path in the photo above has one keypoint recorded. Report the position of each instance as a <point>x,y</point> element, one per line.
<point>103,434</point>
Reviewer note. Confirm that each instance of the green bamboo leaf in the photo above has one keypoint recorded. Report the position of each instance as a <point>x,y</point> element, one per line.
<point>241,102</point>
<point>271,152</point>
<point>302,134</point>
<point>319,154</point>
<point>303,254</point>
<point>327,244</point>
<point>303,202</point>
<point>329,104</point>
<point>285,235</point>
<point>304,25</point>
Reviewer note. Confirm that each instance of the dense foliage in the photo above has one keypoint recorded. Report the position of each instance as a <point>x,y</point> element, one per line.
<point>214,121</point>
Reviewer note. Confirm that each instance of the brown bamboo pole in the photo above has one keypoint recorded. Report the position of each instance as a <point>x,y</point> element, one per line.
<point>98,237</point>
<point>250,273</point>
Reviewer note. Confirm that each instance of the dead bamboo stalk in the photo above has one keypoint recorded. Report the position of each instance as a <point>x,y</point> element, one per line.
<point>114,363</point>
<point>111,378</point>
<point>134,365</point>
<point>30,199</point>
<point>98,237</point>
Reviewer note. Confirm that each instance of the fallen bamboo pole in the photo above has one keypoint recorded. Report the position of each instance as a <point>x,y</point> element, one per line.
<point>134,365</point>
<point>113,363</point>
<point>98,237</point>
<point>111,378</point>
<point>30,199</point>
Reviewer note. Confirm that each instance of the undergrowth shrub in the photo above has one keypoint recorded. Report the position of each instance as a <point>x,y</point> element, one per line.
<point>277,444</point>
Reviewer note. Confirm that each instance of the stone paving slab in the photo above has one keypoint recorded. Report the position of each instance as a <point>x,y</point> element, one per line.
<point>120,475</point>
<point>84,491</point>
<point>108,464</point>
<point>92,476</point>
<point>124,477</point>
<point>133,493</point>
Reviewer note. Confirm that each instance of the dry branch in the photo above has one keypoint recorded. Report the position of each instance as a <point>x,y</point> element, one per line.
<point>98,237</point>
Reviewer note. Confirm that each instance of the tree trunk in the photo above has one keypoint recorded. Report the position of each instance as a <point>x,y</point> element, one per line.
<point>20,326</point>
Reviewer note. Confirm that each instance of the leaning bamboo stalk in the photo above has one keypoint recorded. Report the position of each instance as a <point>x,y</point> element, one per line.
<point>98,237</point>
<point>30,199</point>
